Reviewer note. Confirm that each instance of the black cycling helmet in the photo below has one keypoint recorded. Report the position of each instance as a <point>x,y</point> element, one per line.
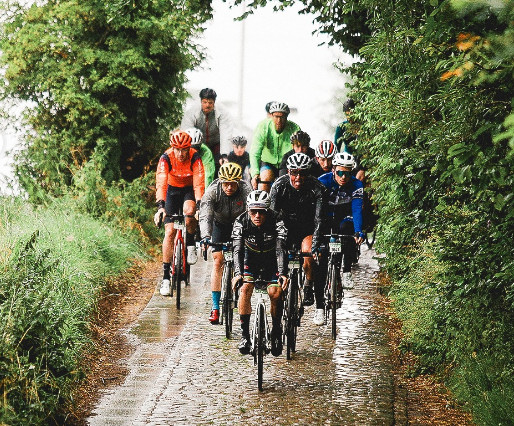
<point>208,94</point>
<point>239,141</point>
<point>301,137</point>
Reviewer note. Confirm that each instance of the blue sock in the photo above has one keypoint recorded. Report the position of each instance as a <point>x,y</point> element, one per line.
<point>216,299</point>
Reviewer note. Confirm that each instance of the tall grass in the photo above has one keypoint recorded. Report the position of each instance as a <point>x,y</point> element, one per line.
<point>53,265</point>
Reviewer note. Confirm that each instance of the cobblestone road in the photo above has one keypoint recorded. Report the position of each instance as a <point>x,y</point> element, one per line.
<point>184,370</point>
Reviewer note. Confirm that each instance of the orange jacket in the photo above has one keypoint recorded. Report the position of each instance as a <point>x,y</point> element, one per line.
<point>172,172</point>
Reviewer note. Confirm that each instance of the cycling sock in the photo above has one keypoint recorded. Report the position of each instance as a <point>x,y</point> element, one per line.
<point>245,324</point>
<point>216,299</point>
<point>166,271</point>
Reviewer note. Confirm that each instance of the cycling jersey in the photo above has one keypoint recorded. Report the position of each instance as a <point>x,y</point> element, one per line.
<point>176,174</point>
<point>345,202</point>
<point>302,210</point>
<point>269,146</point>
<point>218,206</point>
<point>256,246</point>
<point>208,163</point>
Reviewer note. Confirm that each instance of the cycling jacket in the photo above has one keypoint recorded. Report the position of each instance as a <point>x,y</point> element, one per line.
<point>270,146</point>
<point>171,172</point>
<point>345,202</point>
<point>269,239</point>
<point>218,206</point>
<point>301,209</point>
<point>209,165</point>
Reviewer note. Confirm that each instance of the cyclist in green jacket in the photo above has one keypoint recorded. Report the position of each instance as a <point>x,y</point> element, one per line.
<point>271,140</point>
<point>205,154</point>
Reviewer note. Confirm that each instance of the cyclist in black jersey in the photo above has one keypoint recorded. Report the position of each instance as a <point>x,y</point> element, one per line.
<point>299,199</point>
<point>259,252</point>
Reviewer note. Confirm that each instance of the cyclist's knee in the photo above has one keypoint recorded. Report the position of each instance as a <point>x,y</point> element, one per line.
<point>217,259</point>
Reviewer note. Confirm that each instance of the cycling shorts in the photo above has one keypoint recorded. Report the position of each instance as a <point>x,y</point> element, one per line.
<point>295,236</point>
<point>260,265</point>
<point>220,234</point>
<point>175,198</point>
<point>269,166</point>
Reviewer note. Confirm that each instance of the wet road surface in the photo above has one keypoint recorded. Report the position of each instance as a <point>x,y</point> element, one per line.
<point>184,371</point>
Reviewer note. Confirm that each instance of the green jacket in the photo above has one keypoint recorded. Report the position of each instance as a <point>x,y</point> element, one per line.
<point>270,146</point>
<point>208,164</point>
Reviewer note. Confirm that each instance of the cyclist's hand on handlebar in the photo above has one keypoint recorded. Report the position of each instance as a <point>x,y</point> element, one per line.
<point>283,281</point>
<point>255,181</point>
<point>316,252</point>
<point>159,216</point>
<point>237,281</point>
<point>359,237</point>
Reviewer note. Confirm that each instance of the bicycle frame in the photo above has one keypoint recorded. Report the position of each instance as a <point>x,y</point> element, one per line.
<point>179,262</point>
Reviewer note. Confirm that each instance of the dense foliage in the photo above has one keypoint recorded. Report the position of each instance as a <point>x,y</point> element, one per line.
<point>101,83</point>
<point>54,264</point>
<point>434,91</point>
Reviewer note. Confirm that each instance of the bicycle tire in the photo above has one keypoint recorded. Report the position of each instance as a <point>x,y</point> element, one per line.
<point>178,270</point>
<point>229,303</point>
<point>261,343</point>
<point>292,301</point>
<point>333,298</point>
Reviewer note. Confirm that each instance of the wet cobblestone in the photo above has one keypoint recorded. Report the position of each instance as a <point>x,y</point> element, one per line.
<point>184,371</point>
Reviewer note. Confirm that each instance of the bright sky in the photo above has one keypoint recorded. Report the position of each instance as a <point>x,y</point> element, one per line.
<point>282,61</point>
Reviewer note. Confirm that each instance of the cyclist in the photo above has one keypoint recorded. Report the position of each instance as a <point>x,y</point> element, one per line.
<point>299,199</point>
<point>325,151</point>
<point>270,142</point>
<point>205,154</point>
<point>345,207</point>
<point>240,156</point>
<point>259,250</point>
<point>223,201</point>
<point>180,182</point>
<point>300,141</point>
<point>214,122</point>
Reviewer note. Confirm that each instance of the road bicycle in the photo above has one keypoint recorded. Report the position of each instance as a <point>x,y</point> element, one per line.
<point>228,298</point>
<point>334,294</point>
<point>293,303</point>
<point>179,268</point>
<point>261,338</point>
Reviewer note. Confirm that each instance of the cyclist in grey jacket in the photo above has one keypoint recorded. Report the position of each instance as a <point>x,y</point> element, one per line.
<point>223,201</point>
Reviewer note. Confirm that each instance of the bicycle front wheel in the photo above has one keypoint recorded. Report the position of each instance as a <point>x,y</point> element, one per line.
<point>177,276</point>
<point>292,314</point>
<point>227,305</point>
<point>333,297</point>
<point>261,343</point>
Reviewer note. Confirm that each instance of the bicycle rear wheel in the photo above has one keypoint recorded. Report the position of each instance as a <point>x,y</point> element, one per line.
<point>333,297</point>
<point>261,343</point>
<point>178,266</point>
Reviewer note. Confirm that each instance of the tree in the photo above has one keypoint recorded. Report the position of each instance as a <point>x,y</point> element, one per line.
<point>102,81</point>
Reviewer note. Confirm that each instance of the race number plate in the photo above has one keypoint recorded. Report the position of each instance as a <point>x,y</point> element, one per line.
<point>294,264</point>
<point>228,255</point>
<point>334,247</point>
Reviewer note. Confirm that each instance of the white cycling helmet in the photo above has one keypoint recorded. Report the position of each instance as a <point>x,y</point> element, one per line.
<point>279,107</point>
<point>196,136</point>
<point>326,149</point>
<point>298,161</point>
<point>343,159</point>
<point>258,200</point>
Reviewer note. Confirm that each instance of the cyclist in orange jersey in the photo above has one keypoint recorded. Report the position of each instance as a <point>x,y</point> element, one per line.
<point>180,182</point>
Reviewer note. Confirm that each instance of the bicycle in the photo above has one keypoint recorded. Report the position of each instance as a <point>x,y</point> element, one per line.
<point>333,288</point>
<point>179,267</point>
<point>228,298</point>
<point>293,304</point>
<point>261,338</point>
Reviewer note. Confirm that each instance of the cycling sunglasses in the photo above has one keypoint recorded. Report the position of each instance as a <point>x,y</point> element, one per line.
<point>254,212</point>
<point>344,173</point>
<point>299,172</point>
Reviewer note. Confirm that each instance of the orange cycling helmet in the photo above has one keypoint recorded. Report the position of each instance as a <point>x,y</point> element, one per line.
<point>180,140</point>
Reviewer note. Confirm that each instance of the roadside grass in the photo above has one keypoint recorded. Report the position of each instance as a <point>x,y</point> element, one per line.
<point>54,263</point>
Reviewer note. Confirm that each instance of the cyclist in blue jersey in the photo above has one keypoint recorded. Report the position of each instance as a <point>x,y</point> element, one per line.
<point>345,194</point>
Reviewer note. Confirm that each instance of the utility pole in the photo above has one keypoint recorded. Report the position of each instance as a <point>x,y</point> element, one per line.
<point>242,67</point>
